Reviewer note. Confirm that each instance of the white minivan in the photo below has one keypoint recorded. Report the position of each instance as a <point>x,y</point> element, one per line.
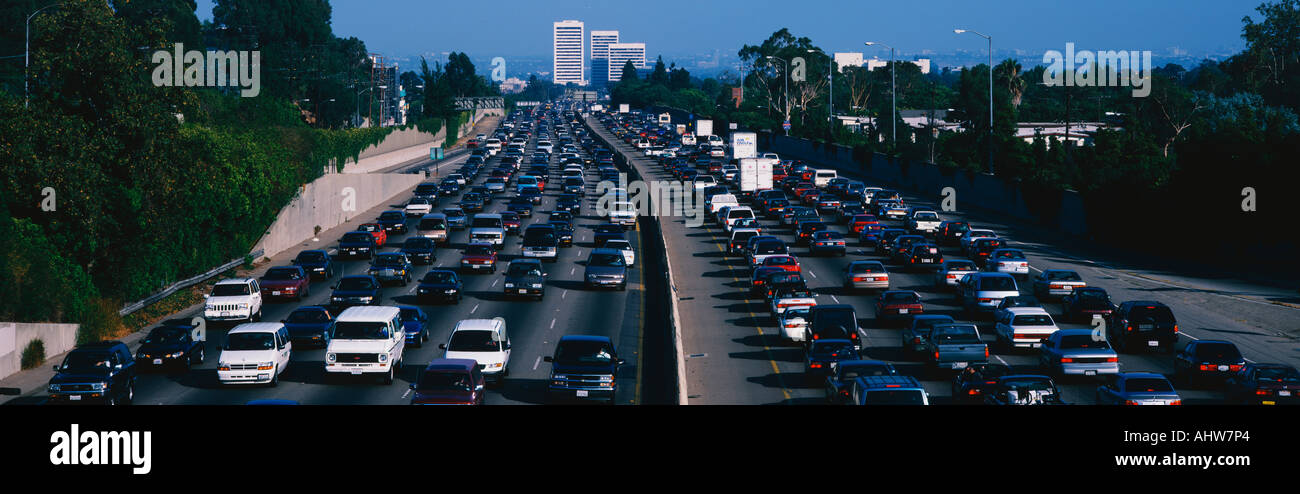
<point>366,340</point>
<point>485,341</point>
<point>823,177</point>
<point>254,353</point>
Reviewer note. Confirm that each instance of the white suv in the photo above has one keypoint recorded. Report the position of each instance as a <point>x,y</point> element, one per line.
<point>485,341</point>
<point>367,340</point>
<point>254,353</point>
<point>235,299</point>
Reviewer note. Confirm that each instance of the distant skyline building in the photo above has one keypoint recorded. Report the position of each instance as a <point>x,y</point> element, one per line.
<point>600,41</point>
<point>620,54</point>
<point>846,59</point>
<point>569,52</point>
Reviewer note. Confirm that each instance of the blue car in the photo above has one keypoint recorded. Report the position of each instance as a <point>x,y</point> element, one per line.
<point>393,221</point>
<point>840,381</point>
<point>823,355</point>
<point>1138,388</point>
<point>172,345</point>
<point>456,218</point>
<point>414,324</point>
<point>317,263</point>
<point>521,206</point>
<point>310,325</point>
<point>440,285</point>
<point>356,290</point>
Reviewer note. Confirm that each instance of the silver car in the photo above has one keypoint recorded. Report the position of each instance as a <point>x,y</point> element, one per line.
<point>1138,388</point>
<point>950,273</point>
<point>794,322</point>
<point>1057,283</point>
<point>1076,352</point>
<point>866,275</point>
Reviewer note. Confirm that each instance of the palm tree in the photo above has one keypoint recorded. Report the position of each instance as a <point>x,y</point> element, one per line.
<point>1008,73</point>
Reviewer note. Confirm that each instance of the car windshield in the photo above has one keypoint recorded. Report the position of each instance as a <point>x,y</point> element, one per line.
<point>1083,341</point>
<point>840,349</point>
<point>230,290</point>
<point>391,215</point>
<point>523,269</point>
<point>443,381</point>
<point>310,257</point>
<point>492,222</point>
<point>250,341</point>
<point>1028,383</point>
<point>1010,254</point>
<point>308,316</point>
<point>369,227</point>
<point>844,321</point>
<point>358,237</point>
<point>1278,374</point>
<point>584,352</point>
<point>283,274</point>
<point>86,362</point>
<point>955,334</point>
<point>926,216</point>
<point>360,330</point>
<point>454,213</point>
<point>769,248</point>
<point>478,250</point>
<point>899,298</point>
<point>894,397</point>
<point>607,260</point>
<point>863,370</point>
<point>439,277</point>
<point>961,266</point>
<point>356,284</point>
<point>1147,385</point>
<point>390,261</point>
<point>1217,351</point>
<point>473,341</point>
<point>418,243</point>
<point>997,284</point>
<point>166,336</point>
<point>1063,276</point>
<point>1157,313</point>
<point>1095,296</point>
<point>1033,320</point>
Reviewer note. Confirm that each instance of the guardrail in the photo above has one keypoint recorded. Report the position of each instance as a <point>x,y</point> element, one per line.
<point>184,284</point>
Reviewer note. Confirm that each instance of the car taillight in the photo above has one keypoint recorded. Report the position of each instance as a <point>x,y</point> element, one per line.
<point>986,352</point>
<point>1067,360</point>
<point>916,339</point>
<point>817,337</point>
<point>815,365</point>
<point>1112,359</point>
<point>1234,367</point>
<point>1175,329</point>
<point>1207,367</point>
<point>973,392</point>
<point>985,300</point>
<point>1130,402</point>
<point>1176,402</point>
<point>936,355</point>
<point>1130,327</point>
<point>1262,392</point>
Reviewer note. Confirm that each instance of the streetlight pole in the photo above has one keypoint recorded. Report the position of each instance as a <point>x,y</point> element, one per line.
<point>830,76</point>
<point>893,93</point>
<point>786,81</point>
<point>990,40</point>
<point>27,50</point>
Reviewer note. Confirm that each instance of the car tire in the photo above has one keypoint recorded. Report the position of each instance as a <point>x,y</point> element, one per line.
<point>130,393</point>
<point>275,377</point>
<point>258,317</point>
<point>388,378</point>
<point>202,353</point>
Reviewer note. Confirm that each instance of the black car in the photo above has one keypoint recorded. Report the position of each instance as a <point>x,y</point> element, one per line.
<point>975,380</point>
<point>393,221</point>
<point>839,382</point>
<point>563,231</point>
<point>421,250</point>
<point>1265,384</point>
<point>317,263</point>
<point>356,290</point>
<point>101,372</point>
<point>357,244</point>
<point>471,202</point>
<point>172,345</point>
<point>441,285</point>
<point>838,321</point>
<point>607,232</point>
<point>1142,324</point>
<point>824,355</point>
<point>1207,360</point>
<point>310,325</point>
<point>568,202</point>
<point>524,277</point>
<point>521,206</point>
<point>584,367</point>
<point>1085,303</point>
<point>533,195</point>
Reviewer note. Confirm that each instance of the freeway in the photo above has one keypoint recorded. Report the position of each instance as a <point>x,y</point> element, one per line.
<point>535,326</point>
<point>734,354</point>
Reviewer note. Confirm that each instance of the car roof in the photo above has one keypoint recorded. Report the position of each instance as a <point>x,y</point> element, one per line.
<point>461,364</point>
<point>235,281</point>
<point>104,345</point>
<point>1140,375</point>
<point>1026,310</point>
<point>256,327</point>
<point>604,250</point>
<point>526,260</point>
<point>363,313</point>
<point>577,337</point>
<point>479,324</point>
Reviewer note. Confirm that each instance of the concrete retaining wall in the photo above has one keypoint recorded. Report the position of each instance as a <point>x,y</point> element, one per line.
<point>14,337</point>
<point>321,203</point>
<point>974,190</point>
<point>405,145</point>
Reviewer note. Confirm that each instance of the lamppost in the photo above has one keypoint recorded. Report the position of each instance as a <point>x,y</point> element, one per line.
<point>893,94</point>
<point>27,49</point>
<point>830,76</point>
<point>786,82</point>
<point>358,101</point>
<point>990,39</point>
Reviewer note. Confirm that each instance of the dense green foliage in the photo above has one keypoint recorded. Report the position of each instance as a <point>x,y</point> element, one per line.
<point>113,188</point>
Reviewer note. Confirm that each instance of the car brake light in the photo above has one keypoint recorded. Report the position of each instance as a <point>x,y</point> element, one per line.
<point>815,365</point>
<point>1130,327</point>
<point>1207,367</point>
<point>1112,359</point>
<point>973,392</point>
<point>1067,360</point>
<point>1234,368</point>
<point>916,339</point>
<point>986,351</point>
<point>1262,392</point>
<point>1130,402</point>
<point>1176,402</point>
<point>936,355</point>
<point>1175,329</point>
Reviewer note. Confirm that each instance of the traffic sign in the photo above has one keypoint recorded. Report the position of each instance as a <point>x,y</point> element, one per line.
<point>786,125</point>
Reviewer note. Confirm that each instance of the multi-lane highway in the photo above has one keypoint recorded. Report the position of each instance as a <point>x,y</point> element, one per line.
<point>734,353</point>
<point>535,326</point>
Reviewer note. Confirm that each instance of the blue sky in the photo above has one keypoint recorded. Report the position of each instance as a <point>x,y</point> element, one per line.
<point>518,28</point>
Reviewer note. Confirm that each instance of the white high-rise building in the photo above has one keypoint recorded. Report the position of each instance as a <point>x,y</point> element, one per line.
<point>620,53</point>
<point>570,54</point>
<point>600,41</point>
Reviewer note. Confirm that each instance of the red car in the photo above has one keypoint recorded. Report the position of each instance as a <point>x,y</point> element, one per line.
<point>802,188</point>
<point>788,263</point>
<point>449,382</point>
<point>285,282</point>
<point>895,305</point>
<point>510,221</point>
<point>480,256</point>
<point>376,230</point>
<point>860,221</point>
<point>811,197</point>
<point>758,280</point>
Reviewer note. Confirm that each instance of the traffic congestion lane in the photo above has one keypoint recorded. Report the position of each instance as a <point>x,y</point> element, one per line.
<point>732,352</point>
<point>304,381</point>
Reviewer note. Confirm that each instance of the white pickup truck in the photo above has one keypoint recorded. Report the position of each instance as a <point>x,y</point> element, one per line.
<point>923,221</point>
<point>488,228</point>
<point>367,340</point>
<point>623,213</point>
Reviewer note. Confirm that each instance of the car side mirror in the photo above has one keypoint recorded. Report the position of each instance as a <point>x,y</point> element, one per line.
<point>56,368</point>
<point>117,367</point>
<point>442,346</point>
<point>412,385</point>
<point>548,358</point>
<point>478,388</point>
<point>207,296</point>
<point>622,361</point>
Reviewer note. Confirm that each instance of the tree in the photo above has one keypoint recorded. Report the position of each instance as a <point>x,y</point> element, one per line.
<point>629,72</point>
<point>1273,51</point>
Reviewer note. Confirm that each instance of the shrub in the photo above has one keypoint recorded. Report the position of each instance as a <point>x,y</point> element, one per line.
<point>34,354</point>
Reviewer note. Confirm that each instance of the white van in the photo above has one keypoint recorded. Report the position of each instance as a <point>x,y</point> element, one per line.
<point>485,341</point>
<point>718,201</point>
<point>254,353</point>
<point>823,177</point>
<point>367,340</point>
